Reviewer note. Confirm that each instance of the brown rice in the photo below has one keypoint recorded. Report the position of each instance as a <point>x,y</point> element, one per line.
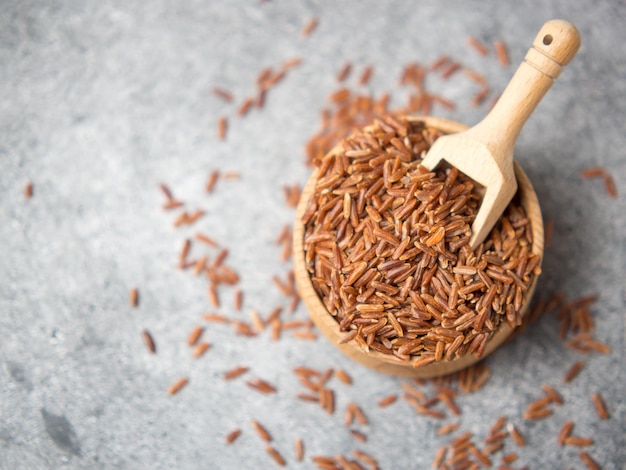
<point>477,45</point>
<point>147,337</point>
<point>177,386</point>
<point>261,431</point>
<point>395,255</point>
<point>233,435</point>
<point>309,27</point>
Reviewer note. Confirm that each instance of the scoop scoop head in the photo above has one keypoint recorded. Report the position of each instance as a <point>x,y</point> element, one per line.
<point>485,152</point>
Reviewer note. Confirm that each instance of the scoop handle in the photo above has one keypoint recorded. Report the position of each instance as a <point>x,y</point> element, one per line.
<point>554,47</point>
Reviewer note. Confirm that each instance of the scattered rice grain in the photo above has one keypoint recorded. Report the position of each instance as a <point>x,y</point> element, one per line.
<point>299,450</point>
<point>222,127</point>
<point>343,376</point>
<point>213,177</point>
<point>555,397</point>
<point>194,336</point>
<point>439,62</point>
<point>307,335</point>
<point>184,252</point>
<point>245,107</point>
<point>134,297</point>
<point>578,441</point>
<point>600,406</point>
<point>309,27</point>
<point>447,429</point>
<point>439,457</point>
<point>358,413</point>
<point>450,69</point>
<point>293,62</point>
<point>344,72</point>
<point>502,53</point>
<point>565,432</point>
<point>516,435</point>
<point>238,299</point>
<point>261,431</point>
<point>477,46</point>
<point>573,371</point>
<point>261,385</point>
<point>200,349</point>
<point>177,386</point>
<point>388,400</point>
<point>276,456</point>
<point>233,435</point>
<point>147,337</point>
<point>223,94</point>
<point>588,461</point>
<point>509,458</point>
<point>365,457</point>
<point>366,75</point>
<point>204,239</point>
<point>236,372</point>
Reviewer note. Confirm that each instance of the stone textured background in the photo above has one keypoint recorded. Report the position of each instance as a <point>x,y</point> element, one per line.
<point>101,101</point>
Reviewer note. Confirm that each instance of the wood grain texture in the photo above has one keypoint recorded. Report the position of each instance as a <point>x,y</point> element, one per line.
<point>390,364</point>
<point>485,151</point>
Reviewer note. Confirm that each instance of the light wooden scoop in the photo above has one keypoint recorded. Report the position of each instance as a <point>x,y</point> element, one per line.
<point>485,152</point>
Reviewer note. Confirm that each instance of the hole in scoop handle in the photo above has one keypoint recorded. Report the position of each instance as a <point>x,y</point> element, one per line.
<point>558,41</point>
<point>554,47</point>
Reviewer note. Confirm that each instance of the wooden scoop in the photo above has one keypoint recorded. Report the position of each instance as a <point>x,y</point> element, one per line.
<point>485,151</point>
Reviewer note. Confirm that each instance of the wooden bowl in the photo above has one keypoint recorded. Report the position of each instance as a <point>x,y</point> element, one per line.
<point>389,364</point>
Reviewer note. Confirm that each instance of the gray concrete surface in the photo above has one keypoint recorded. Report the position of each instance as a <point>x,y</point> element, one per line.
<point>101,101</point>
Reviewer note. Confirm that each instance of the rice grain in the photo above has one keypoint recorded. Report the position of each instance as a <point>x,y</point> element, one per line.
<point>502,53</point>
<point>600,406</point>
<point>309,27</point>
<point>516,435</point>
<point>553,395</point>
<point>195,335</point>
<point>177,386</point>
<point>588,461</point>
<point>222,127</point>
<point>358,435</point>
<point>477,45</point>
<point>261,385</point>
<point>261,431</point>
<point>276,456</point>
<point>236,372</point>
<point>223,94</point>
<point>200,349</point>
<point>366,75</point>
<point>147,337</point>
<point>299,450</point>
<point>573,371</point>
<point>439,457</point>
<point>343,376</point>
<point>134,297</point>
<point>578,441</point>
<point>245,107</point>
<point>344,72</point>
<point>565,432</point>
<point>447,429</point>
<point>233,435</point>
<point>388,400</point>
